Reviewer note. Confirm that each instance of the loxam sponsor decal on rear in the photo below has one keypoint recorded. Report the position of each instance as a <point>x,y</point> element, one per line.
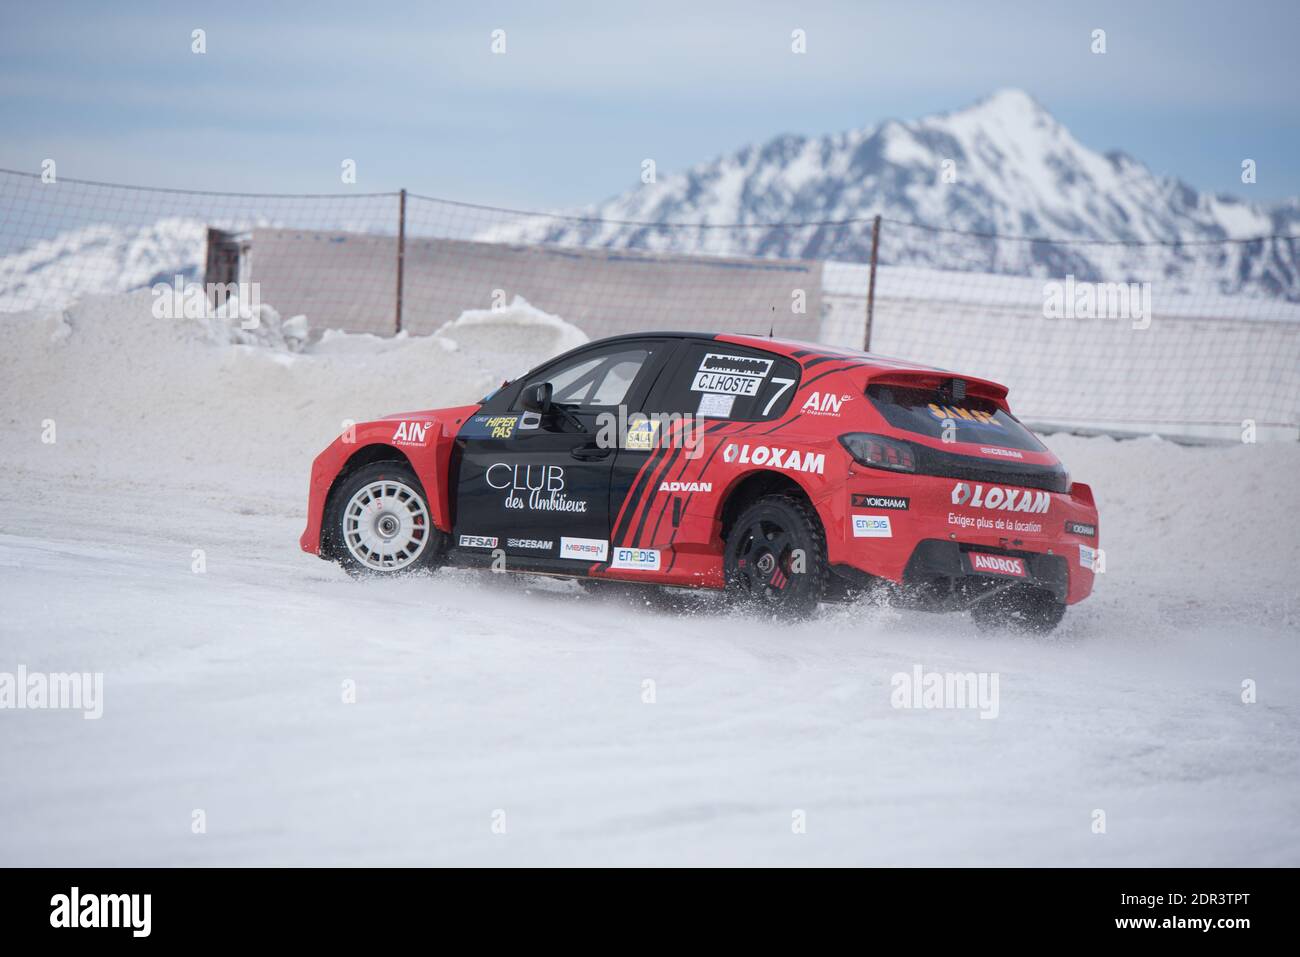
<point>825,403</point>
<point>411,433</point>
<point>686,486</point>
<point>1001,499</point>
<point>791,459</point>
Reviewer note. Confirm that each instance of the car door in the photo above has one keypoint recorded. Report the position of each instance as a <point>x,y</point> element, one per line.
<point>536,486</point>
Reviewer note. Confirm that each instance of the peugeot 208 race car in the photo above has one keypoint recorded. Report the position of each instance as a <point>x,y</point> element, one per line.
<point>783,472</point>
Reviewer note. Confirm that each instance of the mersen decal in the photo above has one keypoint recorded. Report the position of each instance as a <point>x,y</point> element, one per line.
<point>824,403</point>
<point>645,559</point>
<point>1001,499</point>
<point>1081,528</point>
<point>971,416</point>
<point>536,544</point>
<point>898,503</point>
<point>1005,453</point>
<point>411,433</point>
<point>543,483</point>
<point>791,459</point>
<point>872,526</point>
<point>686,486</point>
<point>587,549</point>
<point>997,564</point>
<point>477,541</point>
<point>641,435</point>
<point>731,375</point>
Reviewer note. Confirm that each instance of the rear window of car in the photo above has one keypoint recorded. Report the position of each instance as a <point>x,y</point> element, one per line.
<point>973,419</point>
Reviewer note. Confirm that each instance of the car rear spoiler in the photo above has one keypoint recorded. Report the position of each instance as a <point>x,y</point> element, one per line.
<point>953,388</point>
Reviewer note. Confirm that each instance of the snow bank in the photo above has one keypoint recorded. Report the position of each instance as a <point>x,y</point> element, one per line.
<point>207,400</point>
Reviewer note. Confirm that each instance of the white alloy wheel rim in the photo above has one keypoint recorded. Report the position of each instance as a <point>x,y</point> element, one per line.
<point>386,526</point>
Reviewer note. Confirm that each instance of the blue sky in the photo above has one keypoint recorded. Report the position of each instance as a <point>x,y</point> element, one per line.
<point>586,91</point>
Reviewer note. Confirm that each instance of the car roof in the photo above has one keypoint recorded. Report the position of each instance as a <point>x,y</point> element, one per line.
<point>793,348</point>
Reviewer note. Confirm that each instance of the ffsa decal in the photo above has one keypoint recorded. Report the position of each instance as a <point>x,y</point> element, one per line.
<point>731,375</point>
<point>411,433</point>
<point>791,459</point>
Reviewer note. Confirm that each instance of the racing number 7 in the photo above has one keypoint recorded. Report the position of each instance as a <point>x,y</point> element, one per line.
<point>785,384</point>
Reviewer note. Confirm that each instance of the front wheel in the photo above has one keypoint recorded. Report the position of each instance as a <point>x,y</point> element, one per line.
<point>776,557</point>
<point>378,523</point>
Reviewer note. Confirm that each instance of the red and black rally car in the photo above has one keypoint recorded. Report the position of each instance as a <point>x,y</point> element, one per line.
<point>784,472</point>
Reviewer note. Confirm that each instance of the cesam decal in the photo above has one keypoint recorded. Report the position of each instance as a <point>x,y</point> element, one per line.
<point>1002,499</point>
<point>686,486</point>
<point>997,564</point>
<point>898,503</point>
<point>535,543</point>
<point>872,526</point>
<point>824,403</point>
<point>1005,453</point>
<point>477,541</point>
<point>410,433</point>
<point>589,549</point>
<point>730,375</point>
<point>777,458</point>
<point>646,559</point>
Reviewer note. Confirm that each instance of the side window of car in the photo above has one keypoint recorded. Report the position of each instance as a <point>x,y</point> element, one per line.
<point>593,381</point>
<point>715,380</point>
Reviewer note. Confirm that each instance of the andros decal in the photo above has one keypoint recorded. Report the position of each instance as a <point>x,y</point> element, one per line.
<point>997,564</point>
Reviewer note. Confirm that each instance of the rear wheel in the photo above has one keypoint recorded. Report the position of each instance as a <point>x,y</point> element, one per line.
<point>1019,609</point>
<point>775,557</point>
<point>379,523</point>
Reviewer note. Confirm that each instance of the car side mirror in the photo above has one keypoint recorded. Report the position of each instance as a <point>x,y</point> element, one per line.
<point>537,398</point>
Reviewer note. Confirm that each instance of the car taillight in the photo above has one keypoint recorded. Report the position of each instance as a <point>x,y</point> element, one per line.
<point>879,452</point>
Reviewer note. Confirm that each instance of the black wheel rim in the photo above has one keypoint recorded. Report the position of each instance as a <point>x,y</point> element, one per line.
<point>764,560</point>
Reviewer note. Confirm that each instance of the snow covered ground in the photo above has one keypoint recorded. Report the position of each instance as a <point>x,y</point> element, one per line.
<point>483,700</point>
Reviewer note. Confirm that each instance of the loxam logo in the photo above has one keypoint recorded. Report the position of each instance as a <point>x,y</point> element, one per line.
<point>1001,499</point>
<point>791,459</point>
<point>411,433</point>
<point>824,403</point>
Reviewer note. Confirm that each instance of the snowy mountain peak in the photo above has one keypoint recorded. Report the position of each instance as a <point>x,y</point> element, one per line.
<point>1003,165</point>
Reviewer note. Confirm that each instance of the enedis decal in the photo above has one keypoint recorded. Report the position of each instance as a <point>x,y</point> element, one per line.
<point>791,459</point>
<point>411,433</point>
<point>731,375</point>
<point>872,526</point>
<point>645,559</point>
<point>1001,499</point>
<point>544,485</point>
<point>974,416</point>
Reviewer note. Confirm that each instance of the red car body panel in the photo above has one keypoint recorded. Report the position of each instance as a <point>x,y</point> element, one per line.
<point>675,507</point>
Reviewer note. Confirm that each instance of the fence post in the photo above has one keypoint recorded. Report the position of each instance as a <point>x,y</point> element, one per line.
<point>401,255</point>
<point>871,282</point>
